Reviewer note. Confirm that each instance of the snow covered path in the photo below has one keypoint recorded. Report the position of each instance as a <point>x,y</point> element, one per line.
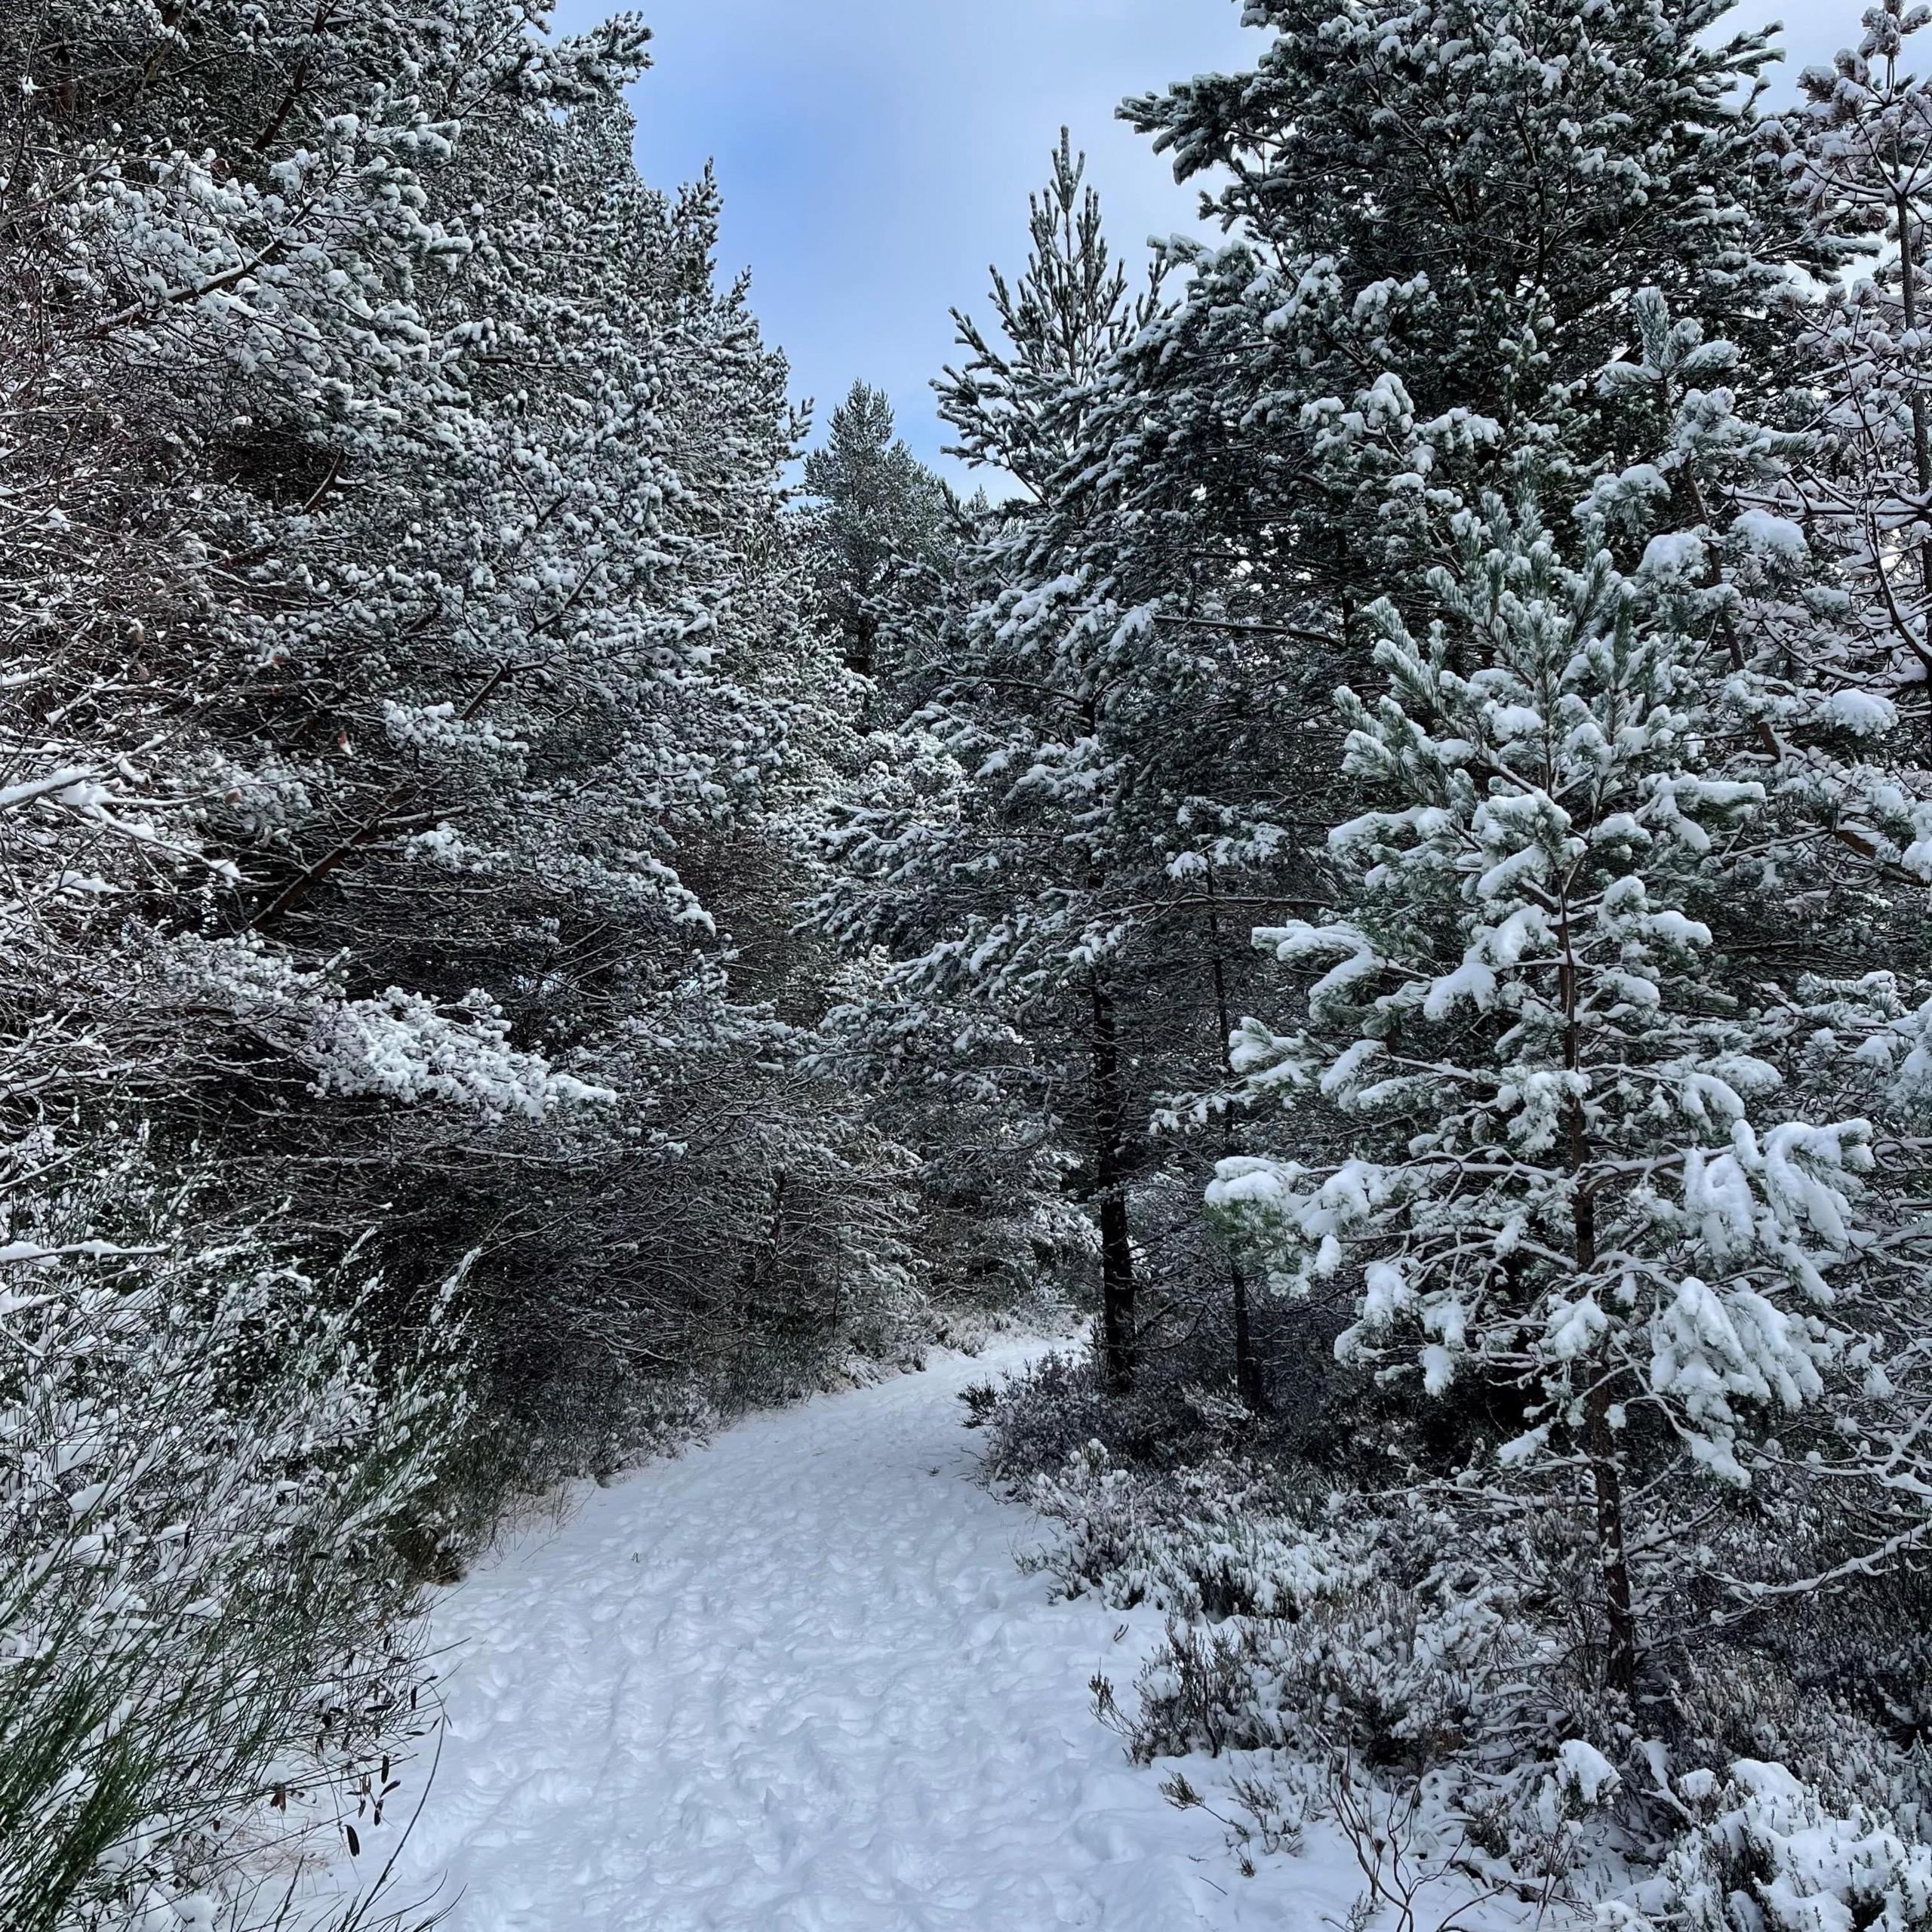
<point>793,1682</point>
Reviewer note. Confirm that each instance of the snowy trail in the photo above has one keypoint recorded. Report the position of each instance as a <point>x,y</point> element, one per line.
<point>793,1682</point>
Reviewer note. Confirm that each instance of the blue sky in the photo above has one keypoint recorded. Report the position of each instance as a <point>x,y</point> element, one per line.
<point>875,155</point>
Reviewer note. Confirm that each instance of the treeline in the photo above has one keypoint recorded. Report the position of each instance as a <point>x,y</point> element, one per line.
<point>524,931</point>
<point>1432,751</point>
<point>413,714</point>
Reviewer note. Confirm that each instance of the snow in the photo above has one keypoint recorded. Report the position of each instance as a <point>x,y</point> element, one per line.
<point>1772,536</point>
<point>1865,714</point>
<point>1587,1769</point>
<point>1675,553</point>
<point>794,1680</point>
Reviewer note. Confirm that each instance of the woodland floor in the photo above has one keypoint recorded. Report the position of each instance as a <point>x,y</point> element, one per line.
<point>793,1682</point>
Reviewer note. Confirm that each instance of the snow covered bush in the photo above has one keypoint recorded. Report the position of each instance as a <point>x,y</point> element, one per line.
<point>1042,1421</point>
<point>1301,1622</point>
<point>1187,1406</point>
<point>1212,1539</point>
<point>1763,1852</point>
<point>1402,1681</point>
<point>205,1474</point>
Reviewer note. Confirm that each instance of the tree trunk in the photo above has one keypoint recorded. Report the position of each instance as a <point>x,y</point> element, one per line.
<point>1613,1558</point>
<point>760,1260</point>
<point>1116,1336</point>
<point>862,645</point>
<point>1620,1649</point>
<point>1250,1384</point>
<point>1921,445</point>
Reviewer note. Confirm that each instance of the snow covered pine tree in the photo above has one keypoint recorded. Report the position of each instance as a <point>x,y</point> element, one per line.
<point>1577,1170</point>
<point>396,739</point>
<point>1523,400</point>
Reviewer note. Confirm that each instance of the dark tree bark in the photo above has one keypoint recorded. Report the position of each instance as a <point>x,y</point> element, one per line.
<point>1116,1283</point>
<point>1250,1381</point>
<point>1620,1648</point>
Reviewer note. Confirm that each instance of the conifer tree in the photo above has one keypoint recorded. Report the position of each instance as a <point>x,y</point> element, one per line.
<point>470,694</point>
<point>1432,209</point>
<point>1856,159</point>
<point>1576,1156</point>
<point>1420,283</point>
<point>877,522</point>
<point>1003,903</point>
<point>409,701</point>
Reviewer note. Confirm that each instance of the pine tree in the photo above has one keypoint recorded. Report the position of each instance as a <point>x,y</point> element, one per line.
<point>405,753</point>
<point>1433,211</point>
<point>1421,280</point>
<point>879,520</point>
<point>1855,158</point>
<point>474,710</point>
<point>998,903</point>
<point>1577,1157</point>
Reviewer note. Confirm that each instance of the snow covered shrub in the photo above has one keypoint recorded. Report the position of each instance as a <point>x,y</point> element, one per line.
<point>1215,1540</point>
<point>1763,1852</point>
<point>1403,1635</point>
<point>1784,1696</point>
<point>1870,1648</point>
<point>1040,1419</point>
<point>203,1471</point>
<point>1398,1676</point>
<point>1061,1407</point>
<point>1185,1406</point>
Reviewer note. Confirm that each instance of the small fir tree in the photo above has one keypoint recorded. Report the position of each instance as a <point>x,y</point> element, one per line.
<point>1577,1166</point>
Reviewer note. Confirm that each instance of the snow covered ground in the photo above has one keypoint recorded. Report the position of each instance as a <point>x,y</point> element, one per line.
<point>792,1681</point>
